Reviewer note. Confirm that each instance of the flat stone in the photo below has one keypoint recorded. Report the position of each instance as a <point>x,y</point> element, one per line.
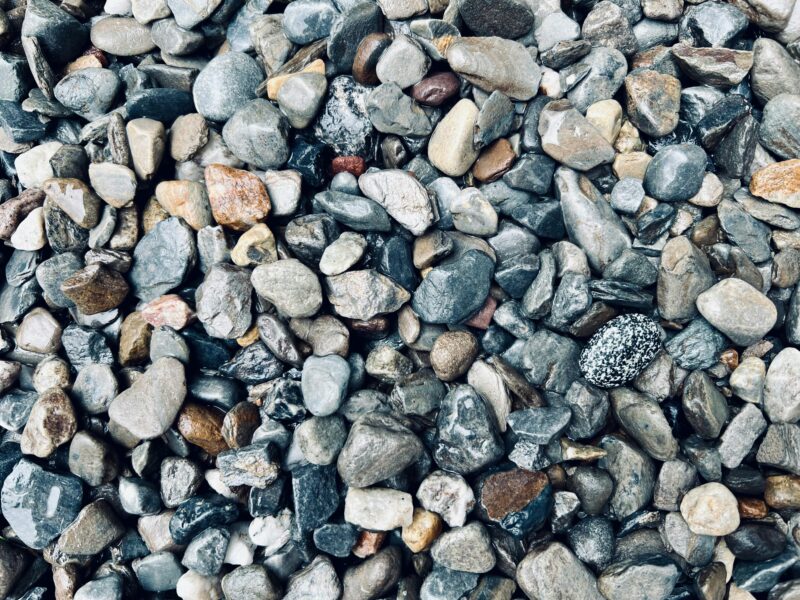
<point>778,182</point>
<point>493,63</point>
<point>378,509</point>
<point>24,500</point>
<point>676,172</point>
<point>713,66</point>
<point>780,387</point>
<point>122,36</point>
<point>731,305</point>
<point>364,294</point>
<point>291,286</point>
<point>403,197</point>
<point>150,405</point>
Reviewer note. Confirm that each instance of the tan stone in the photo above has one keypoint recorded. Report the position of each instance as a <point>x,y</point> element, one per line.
<point>451,148</point>
<point>152,214</point>
<point>147,140</point>
<point>778,182</point>
<point>628,139</point>
<point>256,246</point>
<point>187,135</point>
<point>52,422</point>
<point>606,116</point>
<point>187,200</point>
<point>710,193</point>
<point>424,529</point>
<point>134,340</point>
<point>452,354</point>
<point>632,164</point>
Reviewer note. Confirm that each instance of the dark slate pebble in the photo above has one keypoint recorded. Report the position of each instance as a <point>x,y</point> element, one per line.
<point>38,504</point>
<point>697,346</point>
<point>200,512</point>
<point>343,124</point>
<point>467,438</point>
<point>336,539</point>
<point>160,104</point>
<point>314,494</point>
<point>676,172</point>
<point>355,212</point>
<point>620,350</point>
<point>361,19</point>
<point>311,159</point>
<point>18,125</point>
<point>84,346</point>
<point>162,259</point>
<point>756,541</point>
<point>253,364</point>
<point>452,293</point>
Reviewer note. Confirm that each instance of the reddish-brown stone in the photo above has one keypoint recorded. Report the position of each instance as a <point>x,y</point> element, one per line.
<point>238,198</point>
<point>366,58</point>
<point>752,508</point>
<point>494,161</point>
<point>202,426</point>
<point>436,89</point>
<point>368,543</point>
<point>354,165</point>
<point>483,318</point>
<point>511,491</point>
<point>95,289</point>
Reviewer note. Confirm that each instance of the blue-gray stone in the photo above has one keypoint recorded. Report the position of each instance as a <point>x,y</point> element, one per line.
<point>88,92</point>
<point>676,172</point>
<point>18,125</point>
<point>696,347</point>
<point>158,572</point>
<point>445,584</point>
<point>206,552</point>
<point>257,134</point>
<point>226,84</point>
<point>38,504</point>
<point>160,104</point>
<point>15,80</point>
<point>467,437</point>
<point>15,406</point>
<point>452,293</point>
<point>336,539</point>
<point>162,259</point>
<point>356,212</point>
<point>305,21</point>
<point>200,512</point>
<point>314,494</point>
<point>540,425</point>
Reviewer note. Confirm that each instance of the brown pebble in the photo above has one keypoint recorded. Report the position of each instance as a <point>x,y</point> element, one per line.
<point>134,340</point>
<point>368,543</point>
<point>483,318</point>
<point>431,248</point>
<point>13,211</point>
<point>202,426</point>
<point>783,492</point>
<point>730,358</point>
<point>127,232</point>
<point>752,508</point>
<point>51,423</point>
<point>238,198</point>
<point>557,476</point>
<point>170,310</point>
<point>507,492</point>
<point>494,161</point>
<point>374,326</point>
<point>95,289</point>
<point>240,423</point>
<point>424,529</point>
<point>452,354</point>
<point>436,89</point>
<point>65,581</point>
<point>355,165</point>
<point>707,232</point>
<point>366,57</point>
<point>249,338</point>
<point>593,319</point>
<point>152,214</point>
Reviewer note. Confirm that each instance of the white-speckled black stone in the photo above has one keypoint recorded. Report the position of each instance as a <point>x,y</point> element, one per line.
<point>620,350</point>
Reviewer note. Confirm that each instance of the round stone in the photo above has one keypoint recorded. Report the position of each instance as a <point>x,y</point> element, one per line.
<point>676,173</point>
<point>710,509</point>
<point>227,83</point>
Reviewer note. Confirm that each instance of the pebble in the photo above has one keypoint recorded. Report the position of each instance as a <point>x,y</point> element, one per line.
<point>570,139</point>
<point>187,200</point>
<point>161,389</point>
<point>238,198</point>
<point>378,509</point>
<point>324,383</point>
<point>173,242</point>
<point>38,504</point>
<point>779,387</point>
<point>552,570</point>
<point>257,133</point>
<point>495,64</point>
<point>710,509</point>
<point>122,36</point>
<point>451,148</point>
<point>364,294</point>
<point>731,304</point>
<point>676,173</point>
<point>291,286</point>
<point>226,84</point>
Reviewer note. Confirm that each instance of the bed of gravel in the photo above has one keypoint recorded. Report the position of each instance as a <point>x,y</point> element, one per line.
<point>406,299</point>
